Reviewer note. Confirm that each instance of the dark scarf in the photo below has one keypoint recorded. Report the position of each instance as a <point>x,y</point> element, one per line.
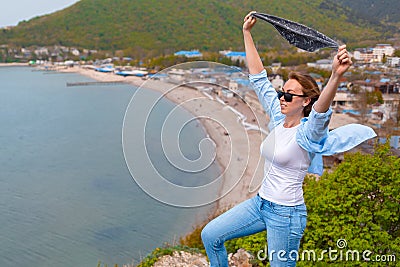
<point>297,34</point>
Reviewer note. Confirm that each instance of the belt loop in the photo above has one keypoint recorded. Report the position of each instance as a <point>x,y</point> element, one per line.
<point>261,201</point>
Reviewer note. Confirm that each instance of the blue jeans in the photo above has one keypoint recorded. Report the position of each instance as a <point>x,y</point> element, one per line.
<point>285,226</point>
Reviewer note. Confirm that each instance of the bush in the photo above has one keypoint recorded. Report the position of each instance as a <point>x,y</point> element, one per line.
<point>357,204</point>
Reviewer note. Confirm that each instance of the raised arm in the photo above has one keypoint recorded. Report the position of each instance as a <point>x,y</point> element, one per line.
<point>258,76</point>
<point>341,63</point>
<point>253,59</point>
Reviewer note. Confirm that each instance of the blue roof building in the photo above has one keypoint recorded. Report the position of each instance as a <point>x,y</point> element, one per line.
<point>236,54</point>
<point>189,54</point>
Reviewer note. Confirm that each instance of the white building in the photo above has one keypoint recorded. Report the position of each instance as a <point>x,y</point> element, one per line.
<point>393,61</point>
<point>344,100</point>
<point>75,52</point>
<point>177,74</point>
<point>381,50</point>
<point>26,52</point>
<point>42,51</point>
<point>277,82</point>
<point>364,54</point>
<point>325,64</point>
<point>233,86</point>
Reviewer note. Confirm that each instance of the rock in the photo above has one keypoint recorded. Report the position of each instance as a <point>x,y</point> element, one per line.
<point>240,259</point>
<point>185,259</point>
<point>182,259</point>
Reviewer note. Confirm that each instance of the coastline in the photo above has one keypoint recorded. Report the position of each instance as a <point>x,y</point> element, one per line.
<point>14,64</point>
<point>241,163</point>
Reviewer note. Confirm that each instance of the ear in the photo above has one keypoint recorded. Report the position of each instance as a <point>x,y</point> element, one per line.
<point>306,102</point>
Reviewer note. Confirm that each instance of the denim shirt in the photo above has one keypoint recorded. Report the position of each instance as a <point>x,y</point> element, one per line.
<point>313,134</point>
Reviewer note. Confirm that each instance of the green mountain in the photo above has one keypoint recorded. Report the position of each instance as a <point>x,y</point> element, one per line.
<point>150,27</point>
<point>374,11</point>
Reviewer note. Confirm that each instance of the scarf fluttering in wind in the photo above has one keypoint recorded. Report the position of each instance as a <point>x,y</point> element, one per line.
<point>297,34</point>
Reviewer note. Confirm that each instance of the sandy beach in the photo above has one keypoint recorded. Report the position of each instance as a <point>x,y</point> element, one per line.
<point>14,64</point>
<point>237,149</point>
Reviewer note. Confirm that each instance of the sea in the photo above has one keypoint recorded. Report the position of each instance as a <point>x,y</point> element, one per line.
<point>67,197</point>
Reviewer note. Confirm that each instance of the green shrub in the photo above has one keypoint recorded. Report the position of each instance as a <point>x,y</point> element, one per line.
<point>358,202</point>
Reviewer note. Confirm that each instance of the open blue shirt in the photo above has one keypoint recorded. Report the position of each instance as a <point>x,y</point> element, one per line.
<point>313,134</point>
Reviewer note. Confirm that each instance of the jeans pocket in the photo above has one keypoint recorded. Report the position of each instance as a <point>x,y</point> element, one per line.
<point>281,210</point>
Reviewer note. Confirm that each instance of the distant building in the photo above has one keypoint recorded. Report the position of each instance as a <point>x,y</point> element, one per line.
<point>276,81</point>
<point>88,52</point>
<point>234,55</point>
<point>233,86</point>
<point>42,51</point>
<point>325,64</point>
<point>26,52</point>
<point>385,85</point>
<point>225,93</point>
<point>367,85</point>
<point>177,74</point>
<point>393,61</point>
<point>75,52</point>
<point>344,100</point>
<point>189,54</point>
<point>276,66</point>
<point>376,54</point>
<point>381,50</point>
<point>364,55</point>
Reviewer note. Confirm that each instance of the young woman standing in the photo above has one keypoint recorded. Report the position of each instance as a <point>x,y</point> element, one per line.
<point>299,117</point>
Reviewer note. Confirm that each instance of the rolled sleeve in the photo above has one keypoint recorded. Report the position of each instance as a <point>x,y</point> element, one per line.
<point>267,97</point>
<point>313,132</point>
<point>314,137</point>
<point>316,127</point>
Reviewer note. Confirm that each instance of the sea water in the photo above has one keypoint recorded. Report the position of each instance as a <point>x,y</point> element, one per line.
<point>66,195</point>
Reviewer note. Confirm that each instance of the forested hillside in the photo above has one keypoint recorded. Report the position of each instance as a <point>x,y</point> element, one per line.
<point>386,11</point>
<point>160,27</point>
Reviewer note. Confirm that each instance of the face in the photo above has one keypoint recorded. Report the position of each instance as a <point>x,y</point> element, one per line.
<point>296,106</point>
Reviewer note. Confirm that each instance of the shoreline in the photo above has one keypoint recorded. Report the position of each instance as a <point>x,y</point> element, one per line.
<point>14,64</point>
<point>233,162</point>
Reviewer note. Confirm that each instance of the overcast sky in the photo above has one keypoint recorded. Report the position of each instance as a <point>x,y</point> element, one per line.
<point>14,11</point>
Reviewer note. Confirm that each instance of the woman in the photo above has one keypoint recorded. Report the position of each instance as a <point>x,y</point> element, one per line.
<point>299,118</point>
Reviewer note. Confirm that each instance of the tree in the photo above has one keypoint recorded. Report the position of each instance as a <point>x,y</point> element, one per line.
<point>362,103</point>
<point>398,115</point>
<point>358,202</point>
<point>374,97</point>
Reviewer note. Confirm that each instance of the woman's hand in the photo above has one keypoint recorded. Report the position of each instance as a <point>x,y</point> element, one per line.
<point>249,21</point>
<point>341,62</point>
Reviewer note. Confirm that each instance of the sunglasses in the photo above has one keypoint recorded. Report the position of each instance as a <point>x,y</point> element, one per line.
<point>287,96</point>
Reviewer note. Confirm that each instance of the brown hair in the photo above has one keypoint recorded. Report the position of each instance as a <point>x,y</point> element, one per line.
<point>309,88</point>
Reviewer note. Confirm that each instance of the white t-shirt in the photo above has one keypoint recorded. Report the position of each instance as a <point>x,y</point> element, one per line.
<point>286,164</point>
